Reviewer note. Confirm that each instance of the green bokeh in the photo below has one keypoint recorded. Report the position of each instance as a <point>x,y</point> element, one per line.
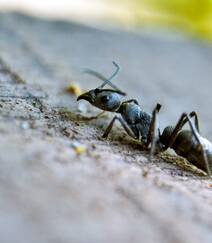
<point>191,16</point>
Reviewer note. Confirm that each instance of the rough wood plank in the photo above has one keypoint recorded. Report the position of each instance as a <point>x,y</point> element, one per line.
<point>110,193</point>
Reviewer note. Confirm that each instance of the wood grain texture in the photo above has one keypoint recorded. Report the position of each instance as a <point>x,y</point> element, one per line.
<point>110,192</point>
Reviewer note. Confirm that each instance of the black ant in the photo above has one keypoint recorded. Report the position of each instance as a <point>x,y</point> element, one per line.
<point>143,126</point>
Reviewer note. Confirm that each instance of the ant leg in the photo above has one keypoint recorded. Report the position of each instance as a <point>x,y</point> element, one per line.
<point>151,138</point>
<point>124,125</point>
<point>197,137</point>
<point>108,80</point>
<point>196,120</point>
<point>181,122</point>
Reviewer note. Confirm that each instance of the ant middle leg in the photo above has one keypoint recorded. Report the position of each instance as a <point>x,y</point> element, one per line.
<point>124,125</point>
<point>151,138</point>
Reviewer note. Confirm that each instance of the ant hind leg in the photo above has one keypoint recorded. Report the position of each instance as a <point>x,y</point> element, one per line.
<point>181,122</point>
<point>196,120</point>
<point>197,137</point>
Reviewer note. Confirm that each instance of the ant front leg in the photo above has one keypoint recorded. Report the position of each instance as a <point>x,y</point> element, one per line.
<point>124,125</point>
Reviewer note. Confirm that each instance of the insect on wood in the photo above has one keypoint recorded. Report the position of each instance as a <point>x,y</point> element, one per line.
<point>143,126</point>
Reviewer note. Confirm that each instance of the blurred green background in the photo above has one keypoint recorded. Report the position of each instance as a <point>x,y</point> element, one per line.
<point>193,17</point>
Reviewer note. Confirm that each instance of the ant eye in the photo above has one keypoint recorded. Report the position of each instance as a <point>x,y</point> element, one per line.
<point>105,98</point>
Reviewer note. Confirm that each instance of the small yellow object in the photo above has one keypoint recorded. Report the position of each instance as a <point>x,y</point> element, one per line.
<point>73,89</point>
<point>79,148</point>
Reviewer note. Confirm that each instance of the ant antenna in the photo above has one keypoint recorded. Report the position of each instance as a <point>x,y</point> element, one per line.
<point>107,80</point>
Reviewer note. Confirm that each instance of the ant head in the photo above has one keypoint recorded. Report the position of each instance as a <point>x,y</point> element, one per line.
<point>104,99</point>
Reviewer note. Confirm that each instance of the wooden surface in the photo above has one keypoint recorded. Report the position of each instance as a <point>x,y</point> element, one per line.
<point>110,192</point>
